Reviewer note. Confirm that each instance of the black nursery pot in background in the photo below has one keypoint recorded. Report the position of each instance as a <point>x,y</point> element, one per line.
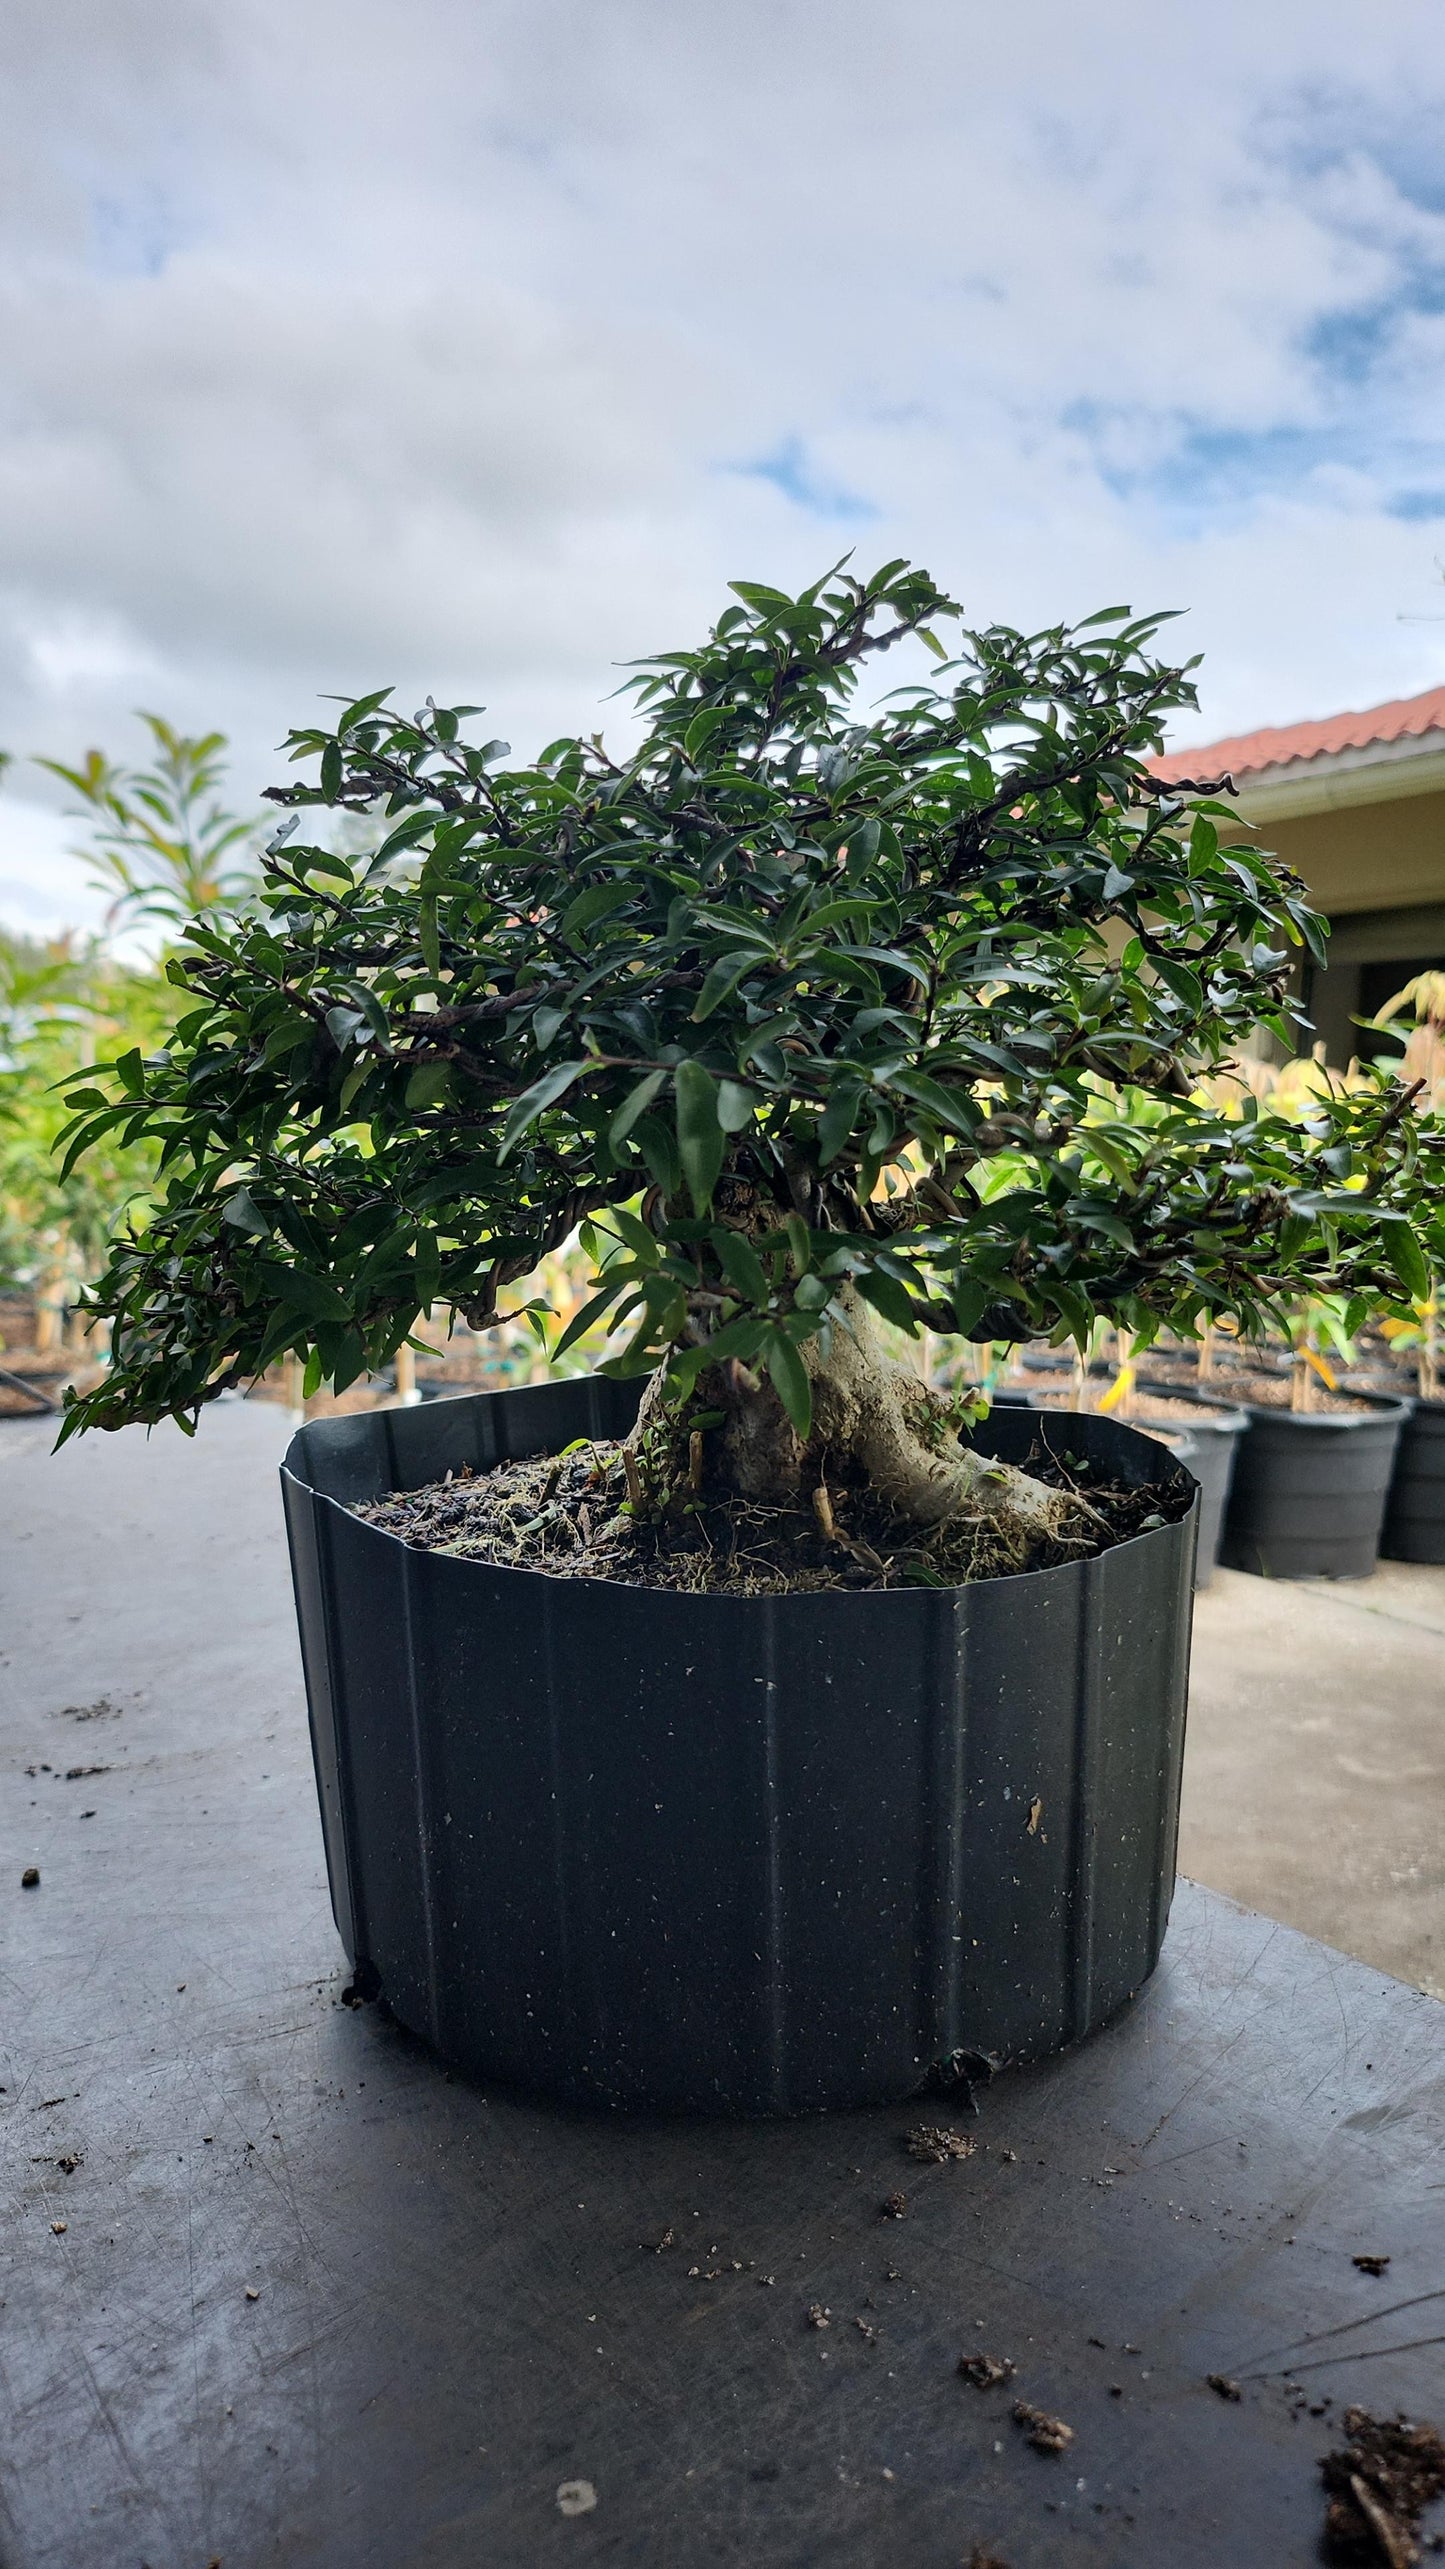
<point>1215,1438</point>
<point>1309,1490</point>
<point>727,1854</point>
<point>1415,1509</point>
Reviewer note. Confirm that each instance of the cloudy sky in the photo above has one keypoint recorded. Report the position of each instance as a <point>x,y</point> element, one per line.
<point>474,344</point>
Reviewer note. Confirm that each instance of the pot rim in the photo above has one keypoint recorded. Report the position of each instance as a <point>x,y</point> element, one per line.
<point>1383,1404</point>
<point>713,1597</point>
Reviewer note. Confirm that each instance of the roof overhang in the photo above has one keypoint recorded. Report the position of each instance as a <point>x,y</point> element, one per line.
<point>1386,773</point>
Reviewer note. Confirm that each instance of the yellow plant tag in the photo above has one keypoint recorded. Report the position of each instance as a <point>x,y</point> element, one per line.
<point>1321,1368</point>
<point>1119,1389</point>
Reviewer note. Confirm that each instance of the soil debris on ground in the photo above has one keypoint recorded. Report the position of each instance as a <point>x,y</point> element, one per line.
<point>1370,2265</point>
<point>819,2315</point>
<point>570,1516</point>
<point>935,2144</point>
<point>978,2558</point>
<point>1046,2434</point>
<point>894,2207</point>
<point>986,2371</point>
<point>1227,2389</point>
<point>1379,2485</point>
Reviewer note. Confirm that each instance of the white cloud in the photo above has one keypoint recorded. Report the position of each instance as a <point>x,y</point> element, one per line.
<point>426,344</point>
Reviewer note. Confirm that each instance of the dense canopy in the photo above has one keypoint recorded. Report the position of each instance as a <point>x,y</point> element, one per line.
<point>786,999</point>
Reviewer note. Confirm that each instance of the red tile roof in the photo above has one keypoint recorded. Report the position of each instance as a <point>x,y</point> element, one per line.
<point>1249,752</point>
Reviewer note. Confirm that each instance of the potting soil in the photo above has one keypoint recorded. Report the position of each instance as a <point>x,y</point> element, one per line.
<point>569,1515</point>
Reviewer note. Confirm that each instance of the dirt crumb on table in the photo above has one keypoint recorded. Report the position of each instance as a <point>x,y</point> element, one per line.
<point>935,2144</point>
<point>986,2371</point>
<point>1046,2434</point>
<point>1379,2485</point>
<point>1370,2265</point>
<point>1227,2389</point>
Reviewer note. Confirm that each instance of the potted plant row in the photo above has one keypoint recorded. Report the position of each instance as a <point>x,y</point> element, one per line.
<point>748,1727</point>
<point>1321,1456</point>
<point>1405,1363</point>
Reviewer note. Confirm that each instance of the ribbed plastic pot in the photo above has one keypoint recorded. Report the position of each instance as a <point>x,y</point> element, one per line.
<point>721,1854</point>
<point>1415,1508</point>
<point>1309,1491</point>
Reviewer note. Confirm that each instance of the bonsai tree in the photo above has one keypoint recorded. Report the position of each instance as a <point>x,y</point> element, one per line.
<point>805,1013</point>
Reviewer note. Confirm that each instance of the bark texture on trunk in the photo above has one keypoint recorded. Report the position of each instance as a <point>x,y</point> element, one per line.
<point>877,1424</point>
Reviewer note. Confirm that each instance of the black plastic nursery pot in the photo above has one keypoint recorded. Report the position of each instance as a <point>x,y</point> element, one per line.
<point>729,1854</point>
<point>1309,1490</point>
<point>1415,1509</point>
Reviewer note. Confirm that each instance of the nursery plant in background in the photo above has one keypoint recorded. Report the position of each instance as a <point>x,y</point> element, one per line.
<point>807,1010</point>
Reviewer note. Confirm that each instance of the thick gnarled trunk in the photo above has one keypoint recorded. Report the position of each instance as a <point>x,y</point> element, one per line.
<point>875,1425</point>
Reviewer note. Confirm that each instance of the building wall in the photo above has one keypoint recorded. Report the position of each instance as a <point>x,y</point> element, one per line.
<point>1371,856</point>
<point>1377,870</point>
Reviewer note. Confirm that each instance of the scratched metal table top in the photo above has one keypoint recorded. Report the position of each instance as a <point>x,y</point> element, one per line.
<point>277,2288</point>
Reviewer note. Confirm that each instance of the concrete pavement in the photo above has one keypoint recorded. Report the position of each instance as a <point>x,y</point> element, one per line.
<point>1314,1773</point>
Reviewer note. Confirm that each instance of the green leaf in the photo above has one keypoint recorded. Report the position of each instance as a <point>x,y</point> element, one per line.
<point>659,1150</point>
<point>430,937</point>
<point>721,981</point>
<point>837,1120</point>
<point>582,1320</point>
<point>535,1100</point>
<point>331,771</point>
<point>736,1105</point>
<point>312,1379</point>
<point>245,1216</point>
<point>597,902</point>
<point>356,713</point>
<point>315,1297</point>
<point>343,1025</point>
<point>700,730</point>
<point>1183,981</point>
<point>888,1296</point>
<point>429,1085</point>
<point>700,1137</point>
<point>790,1381</point>
<point>741,1265</point>
<point>427,1261</point>
<point>634,1104</point>
<point>1407,1258</point>
<point>953,1109</point>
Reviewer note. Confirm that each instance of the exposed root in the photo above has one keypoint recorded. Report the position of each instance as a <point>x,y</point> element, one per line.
<point>877,1427</point>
